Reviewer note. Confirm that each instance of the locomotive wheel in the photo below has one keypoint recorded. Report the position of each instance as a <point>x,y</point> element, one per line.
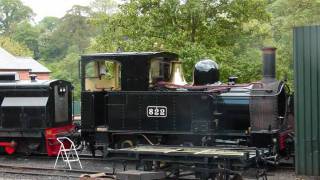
<point>221,176</point>
<point>237,177</point>
<point>126,144</point>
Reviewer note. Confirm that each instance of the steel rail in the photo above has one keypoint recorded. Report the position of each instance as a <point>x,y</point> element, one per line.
<point>13,169</point>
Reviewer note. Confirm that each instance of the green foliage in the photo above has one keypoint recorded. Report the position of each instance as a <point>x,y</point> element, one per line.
<point>14,47</point>
<point>28,35</point>
<point>228,31</point>
<point>48,24</point>
<point>104,6</point>
<point>285,16</point>
<point>67,69</point>
<point>73,30</point>
<point>224,30</point>
<point>76,27</point>
<point>12,12</point>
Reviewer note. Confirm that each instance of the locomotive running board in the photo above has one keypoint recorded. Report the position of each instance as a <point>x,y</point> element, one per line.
<point>240,157</point>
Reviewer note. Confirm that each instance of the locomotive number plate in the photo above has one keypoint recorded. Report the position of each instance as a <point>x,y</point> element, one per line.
<point>157,111</point>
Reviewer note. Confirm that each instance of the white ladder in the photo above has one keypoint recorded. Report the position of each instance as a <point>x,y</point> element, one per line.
<point>67,155</point>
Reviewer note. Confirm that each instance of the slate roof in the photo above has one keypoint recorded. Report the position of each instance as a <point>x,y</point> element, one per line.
<point>33,65</point>
<point>10,62</point>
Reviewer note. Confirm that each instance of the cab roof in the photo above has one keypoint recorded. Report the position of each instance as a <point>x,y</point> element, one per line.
<point>123,56</point>
<point>29,83</point>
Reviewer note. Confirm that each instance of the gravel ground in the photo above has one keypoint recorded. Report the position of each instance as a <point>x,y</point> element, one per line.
<point>31,177</point>
<point>94,165</point>
<point>282,174</point>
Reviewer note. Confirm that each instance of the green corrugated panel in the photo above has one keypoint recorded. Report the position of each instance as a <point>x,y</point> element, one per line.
<point>76,108</point>
<point>307,99</point>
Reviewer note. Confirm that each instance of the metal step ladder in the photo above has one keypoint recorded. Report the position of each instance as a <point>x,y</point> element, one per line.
<point>67,154</point>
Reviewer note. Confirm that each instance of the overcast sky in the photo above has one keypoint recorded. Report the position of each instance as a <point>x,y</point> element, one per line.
<point>56,8</point>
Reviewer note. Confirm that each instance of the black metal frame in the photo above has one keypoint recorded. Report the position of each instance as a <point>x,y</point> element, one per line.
<point>204,165</point>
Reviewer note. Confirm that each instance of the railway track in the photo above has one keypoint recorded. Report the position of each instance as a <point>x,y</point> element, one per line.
<point>45,156</point>
<point>9,167</point>
<point>43,173</point>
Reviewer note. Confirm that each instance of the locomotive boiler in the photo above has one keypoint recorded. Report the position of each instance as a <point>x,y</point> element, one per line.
<point>33,113</point>
<point>137,105</point>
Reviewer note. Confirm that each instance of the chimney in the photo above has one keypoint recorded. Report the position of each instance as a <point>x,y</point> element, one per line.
<point>33,77</point>
<point>269,64</point>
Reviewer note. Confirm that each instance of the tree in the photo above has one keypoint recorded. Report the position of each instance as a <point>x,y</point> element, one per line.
<point>28,35</point>
<point>104,6</point>
<point>48,48</point>
<point>285,16</point>
<point>75,25</point>
<point>11,13</point>
<point>14,47</point>
<point>48,24</point>
<point>73,30</point>
<point>224,30</point>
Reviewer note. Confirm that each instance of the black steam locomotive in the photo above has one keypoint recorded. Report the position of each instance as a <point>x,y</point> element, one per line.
<point>33,113</point>
<point>131,99</point>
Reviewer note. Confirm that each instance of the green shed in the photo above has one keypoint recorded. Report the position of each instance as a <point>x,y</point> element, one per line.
<point>306,41</point>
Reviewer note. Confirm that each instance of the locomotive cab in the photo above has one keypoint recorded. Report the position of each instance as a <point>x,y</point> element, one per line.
<point>124,71</point>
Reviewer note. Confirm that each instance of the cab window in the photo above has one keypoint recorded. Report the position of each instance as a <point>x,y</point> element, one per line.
<point>103,76</point>
<point>159,71</point>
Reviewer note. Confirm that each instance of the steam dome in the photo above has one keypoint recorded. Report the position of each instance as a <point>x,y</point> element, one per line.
<point>205,72</point>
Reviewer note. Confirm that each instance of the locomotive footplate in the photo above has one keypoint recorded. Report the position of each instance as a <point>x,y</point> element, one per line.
<point>206,161</point>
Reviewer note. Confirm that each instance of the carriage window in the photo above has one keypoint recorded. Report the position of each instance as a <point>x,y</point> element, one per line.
<point>103,76</point>
<point>159,71</point>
